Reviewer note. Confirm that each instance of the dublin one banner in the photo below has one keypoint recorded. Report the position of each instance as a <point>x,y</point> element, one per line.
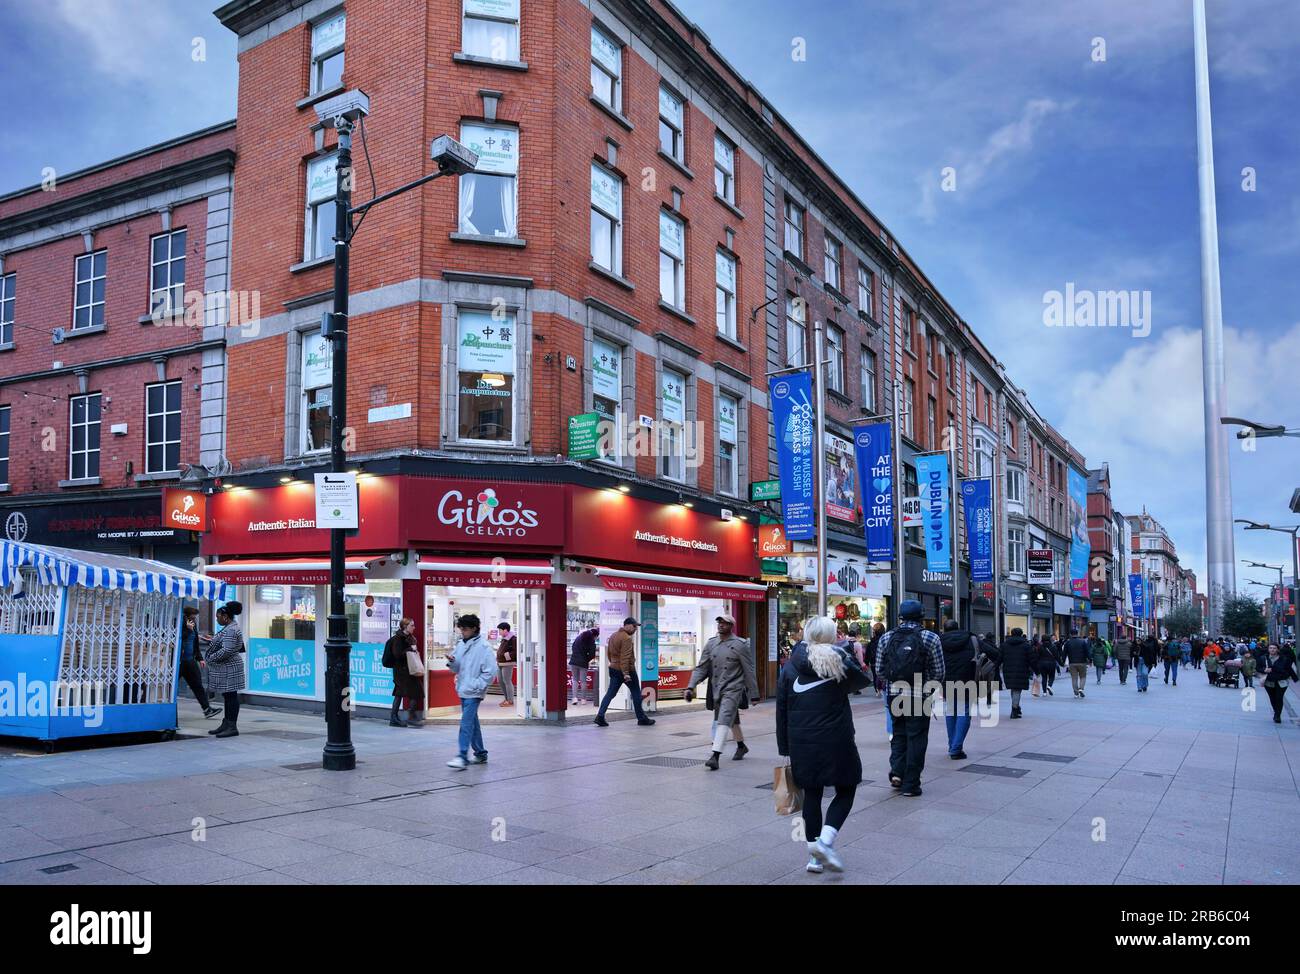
<point>1137,596</point>
<point>932,480</point>
<point>792,418</point>
<point>978,498</point>
<point>871,446</point>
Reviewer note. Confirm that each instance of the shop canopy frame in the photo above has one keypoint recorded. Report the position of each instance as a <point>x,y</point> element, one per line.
<point>288,571</point>
<point>687,586</point>
<point>486,572</point>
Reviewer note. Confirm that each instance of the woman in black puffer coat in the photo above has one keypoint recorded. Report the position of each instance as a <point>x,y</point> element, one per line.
<point>814,729</point>
<point>1018,664</point>
<point>1047,668</point>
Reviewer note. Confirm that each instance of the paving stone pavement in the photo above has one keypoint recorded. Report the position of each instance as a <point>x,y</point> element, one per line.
<point>1182,782</point>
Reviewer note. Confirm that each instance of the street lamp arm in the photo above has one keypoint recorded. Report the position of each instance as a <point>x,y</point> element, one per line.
<point>362,208</point>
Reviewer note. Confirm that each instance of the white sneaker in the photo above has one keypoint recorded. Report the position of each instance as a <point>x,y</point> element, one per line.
<point>814,866</point>
<point>458,763</point>
<point>826,855</point>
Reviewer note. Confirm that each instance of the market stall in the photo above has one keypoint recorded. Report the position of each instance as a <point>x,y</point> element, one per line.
<point>89,641</point>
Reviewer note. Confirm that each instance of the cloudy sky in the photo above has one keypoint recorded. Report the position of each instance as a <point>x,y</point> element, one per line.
<point>1069,132</point>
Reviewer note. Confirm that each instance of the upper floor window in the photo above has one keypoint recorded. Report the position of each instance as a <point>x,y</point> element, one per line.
<point>728,438</point>
<point>489,195</point>
<point>8,289</point>
<point>4,446</point>
<point>931,421</point>
<point>796,331</point>
<point>317,388</point>
<point>606,219</point>
<point>491,29</point>
<point>832,263</point>
<point>84,422</point>
<point>835,353</point>
<point>607,390</point>
<point>909,406</point>
<point>726,294</point>
<point>327,52</point>
<point>672,260</point>
<point>1015,485</point>
<point>88,306</point>
<point>868,380</point>
<point>167,274</point>
<point>1015,551</point>
<point>606,69</point>
<point>949,362</point>
<point>162,419</point>
<point>866,291</point>
<point>322,185</point>
<point>485,362</point>
<point>672,124</point>
<point>794,228</point>
<point>932,352</point>
<point>724,167</point>
<point>672,398</point>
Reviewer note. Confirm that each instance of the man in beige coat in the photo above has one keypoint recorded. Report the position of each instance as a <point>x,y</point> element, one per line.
<point>727,662</point>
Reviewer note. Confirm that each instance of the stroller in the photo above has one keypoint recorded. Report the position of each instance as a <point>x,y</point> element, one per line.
<point>1229,674</point>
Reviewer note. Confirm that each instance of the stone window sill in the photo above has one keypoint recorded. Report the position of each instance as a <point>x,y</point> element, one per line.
<point>679,166</point>
<point>675,312</point>
<point>79,332</point>
<point>83,482</point>
<point>613,113</point>
<point>727,340</point>
<point>320,96</point>
<point>483,238</point>
<point>6,346</point>
<point>309,265</point>
<point>730,205</point>
<point>147,478</point>
<point>622,282</point>
<point>460,57</point>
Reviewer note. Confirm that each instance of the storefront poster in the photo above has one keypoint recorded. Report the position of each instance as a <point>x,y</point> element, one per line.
<point>282,666</point>
<point>1080,546</point>
<point>792,418</point>
<point>584,436</point>
<point>487,343</point>
<point>978,498</point>
<point>375,622</point>
<point>932,474</point>
<point>841,479</point>
<point>871,444</point>
<point>650,641</point>
<point>371,681</point>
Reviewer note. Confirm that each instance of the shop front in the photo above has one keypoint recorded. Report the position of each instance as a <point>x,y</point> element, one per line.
<point>130,525</point>
<point>1019,606</point>
<point>934,591</point>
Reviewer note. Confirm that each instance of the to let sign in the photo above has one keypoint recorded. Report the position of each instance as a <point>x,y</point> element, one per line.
<point>336,501</point>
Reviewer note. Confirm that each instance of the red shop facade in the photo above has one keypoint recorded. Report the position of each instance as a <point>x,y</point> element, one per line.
<point>548,560</point>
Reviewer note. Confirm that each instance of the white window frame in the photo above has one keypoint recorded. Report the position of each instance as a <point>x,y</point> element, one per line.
<point>1015,485</point>
<point>8,301</point>
<point>676,263</point>
<point>598,66</point>
<point>866,291</point>
<point>86,451</point>
<point>832,263</point>
<point>794,229</point>
<point>616,224</point>
<point>319,57</point>
<point>837,366</point>
<point>615,457</point>
<point>304,409</point>
<point>88,261</point>
<point>1016,551</point>
<point>672,434</point>
<point>909,407</point>
<point>724,172</point>
<point>318,210</point>
<point>725,295</point>
<point>167,298</point>
<point>512,52</point>
<point>511,317</point>
<point>796,331</point>
<point>731,487</point>
<point>676,127</point>
<point>165,441</point>
<point>6,427</point>
<point>867,378</point>
<point>467,184</point>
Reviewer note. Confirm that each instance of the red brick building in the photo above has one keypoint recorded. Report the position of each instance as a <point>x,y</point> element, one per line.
<point>112,355</point>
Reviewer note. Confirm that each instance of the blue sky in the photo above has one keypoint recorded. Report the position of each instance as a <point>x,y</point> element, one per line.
<point>1067,169</point>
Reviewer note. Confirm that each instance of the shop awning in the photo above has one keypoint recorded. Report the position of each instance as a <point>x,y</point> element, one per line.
<point>486,572</point>
<point>619,580</point>
<point>285,571</point>
<point>94,569</point>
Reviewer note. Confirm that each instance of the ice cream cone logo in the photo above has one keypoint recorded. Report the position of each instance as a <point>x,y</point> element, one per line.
<point>487,502</point>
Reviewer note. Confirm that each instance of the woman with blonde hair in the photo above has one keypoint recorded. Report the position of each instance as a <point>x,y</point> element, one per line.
<point>814,729</point>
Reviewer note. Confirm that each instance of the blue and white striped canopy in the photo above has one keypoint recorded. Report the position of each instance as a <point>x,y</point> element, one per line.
<point>93,569</point>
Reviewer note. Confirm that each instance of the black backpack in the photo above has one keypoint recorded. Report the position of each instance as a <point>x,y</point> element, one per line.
<point>905,657</point>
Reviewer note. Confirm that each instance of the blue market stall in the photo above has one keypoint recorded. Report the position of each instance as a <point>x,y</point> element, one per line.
<point>89,642</point>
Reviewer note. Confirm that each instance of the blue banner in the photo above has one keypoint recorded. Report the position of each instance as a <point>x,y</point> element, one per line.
<point>1080,544</point>
<point>978,497</point>
<point>1137,600</point>
<point>932,480</point>
<point>872,448</point>
<point>793,421</point>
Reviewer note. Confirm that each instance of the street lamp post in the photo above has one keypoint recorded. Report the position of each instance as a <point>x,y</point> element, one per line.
<point>1294,533</point>
<point>342,113</point>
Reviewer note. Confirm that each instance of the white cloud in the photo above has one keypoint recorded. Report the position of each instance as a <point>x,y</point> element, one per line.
<point>127,39</point>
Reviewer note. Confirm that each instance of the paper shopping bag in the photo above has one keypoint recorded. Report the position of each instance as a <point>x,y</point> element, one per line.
<point>788,795</point>
<point>1036,687</point>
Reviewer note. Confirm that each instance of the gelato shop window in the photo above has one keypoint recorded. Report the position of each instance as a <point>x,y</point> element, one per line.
<point>374,611</point>
<point>281,633</point>
<point>685,625</point>
<point>445,604</point>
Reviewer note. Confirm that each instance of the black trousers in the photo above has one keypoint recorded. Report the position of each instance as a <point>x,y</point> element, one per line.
<point>232,707</point>
<point>907,749</point>
<point>1123,670</point>
<point>841,805</point>
<point>1275,696</point>
<point>193,678</point>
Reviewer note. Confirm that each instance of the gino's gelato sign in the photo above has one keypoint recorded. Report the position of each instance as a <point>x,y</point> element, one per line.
<point>483,515</point>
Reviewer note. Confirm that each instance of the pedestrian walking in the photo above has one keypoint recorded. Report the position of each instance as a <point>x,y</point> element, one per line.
<point>507,655</point>
<point>869,657</point>
<point>814,729</point>
<point>1198,652</point>
<point>475,666</point>
<point>225,668</point>
<point>1045,665</point>
<point>407,685</point>
<point>583,652</point>
<point>1249,666</point>
<point>1173,656</point>
<point>1077,652</point>
<point>1099,657</point>
<point>989,662</point>
<point>190,666</point>
<point>1213,655</point>
<point>858,648</point>
<point>1123,657</point>
<point>727,662</point>
<point>621,655</point>
<point>908,657</point>
<point>1018,667</point>
<point>960,650</point>
<point>1278,675</point>
<point>1148,654</point>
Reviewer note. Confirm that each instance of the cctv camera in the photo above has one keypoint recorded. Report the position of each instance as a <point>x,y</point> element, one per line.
<point>453,159</point>
<point>348,107</point>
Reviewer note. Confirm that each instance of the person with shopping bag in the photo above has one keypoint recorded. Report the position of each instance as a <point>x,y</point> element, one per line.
<point>402,656</point>
<point>814,731</point>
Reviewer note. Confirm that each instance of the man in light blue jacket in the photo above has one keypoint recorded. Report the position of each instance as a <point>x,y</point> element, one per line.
<point>475,666</point>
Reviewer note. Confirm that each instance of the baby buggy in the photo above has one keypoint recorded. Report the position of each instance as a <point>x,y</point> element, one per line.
<point>1229,674</point>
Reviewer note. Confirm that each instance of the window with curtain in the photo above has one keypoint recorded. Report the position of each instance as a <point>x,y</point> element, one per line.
<point>672,260</point>
<point>607,391</point>
<point>327,36</point>
<point>490,29</point>
<point>728,438</point>
<point>322,185</point>
<point>488,195</point>
<point>796,331</point>
<point>672,124</point>
<point>606,219</point>
<point>725,278</point>
<point>724,167</point>
<point>606,69</point>
<point>317,384</point>
<point>672,406</point>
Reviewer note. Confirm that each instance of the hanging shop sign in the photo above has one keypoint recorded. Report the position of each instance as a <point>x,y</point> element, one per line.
<point>765,490</point>
<point>978,498</point>
<point>584,436</point>
<point>932,474</point>
<point>872,445</point>
<point>792,416</point>
<point>185,509</point>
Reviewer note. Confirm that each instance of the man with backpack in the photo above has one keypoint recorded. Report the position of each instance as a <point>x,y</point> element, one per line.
<point>908,657</point>
<point>960,652</point>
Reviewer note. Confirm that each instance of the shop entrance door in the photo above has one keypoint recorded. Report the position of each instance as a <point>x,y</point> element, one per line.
<point>530,700</point>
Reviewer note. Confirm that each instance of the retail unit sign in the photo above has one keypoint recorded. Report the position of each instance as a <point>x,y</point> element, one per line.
<point>584,436</point>
<point>772,542</point>
<point>1041,566</point>
<point>185,509</point>
<point>765,490</point>
<point>337,505</point>
<point>911,512</point>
